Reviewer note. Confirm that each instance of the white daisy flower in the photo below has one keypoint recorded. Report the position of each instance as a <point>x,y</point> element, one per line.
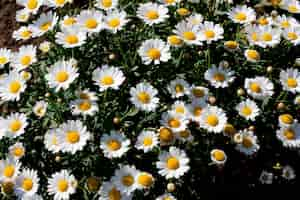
<point>219,77</point>
<point>154,50</point>
<point>24,33</point>
<point>90,21</point>
<point>195,19</point>
<point>108,77</point>
<point>290,80</point>
<point>31,6</point>
<point>40,108</point>
<point>70,37</point>
<point>144,180</point>
<point>45,23</point>
<point>115,20</point>
<point>185,136</point>
<point>62,185</point>
<point>61,74</point>
<point>286,120</point>
<point>57,3</point>
<point>188,32</point>
<point>252,55</point>
<point>248,109</point>
<point>178,88</point>
<point>209,32</point>
<point>269,36</point>
<point>84,107</point>
<point>259,87</point>
<point>125,179</point>
<point>72,136</point>
<point>179,108</point>
<point>195,109</point>
<point>292,6</point>
<point>22,15</point>
<point>168,196</point>
<point>68,22</point>
<point>114,145</point>
<point>45,46</point>
<point>253,34</point>
<point>213,119</point>
<point>152,13</point>
<point>289,136</point>
<point>15,124</point>
<point>5,56</point>
<point>266,177</point>
<point>285,22</point>
<point>146,141</point>
<point>16,150</point>
<point>292,34</point>
<point>198,93</point>
<point>297,100</point>
<point>27,183</point>
<point>242,14</point>
<point>288,173</point>
<point>143,96</point>
<point>248,144</point>
<point>218,156</point>
<point>24,57</point>
<point>176,122</point>
<point>51,140</point>
<point>9,169</point>
<point>109,191</point>
<point>172,163</point>
<point>106,4</point>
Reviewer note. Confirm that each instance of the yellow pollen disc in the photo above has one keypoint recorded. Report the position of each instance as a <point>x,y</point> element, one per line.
<point>114,194</point>
<point>71,39</point>
<point>209,34</point>
<point>274,2</point>
<point>198,93</point>
<point>114,22</point>
<point>240,16</point>
<point>179,109</point>
<point>25,60</point>
<point>85,105</point>
<point>62,185</point>
<point>59,2</point>
<point>166,135</point>
<point>84,96</point>
<point>197,111</point>
<point>106,3</point>
<point>91,23</point>
<point>15,125</point>
<point>73,137</point>
<point>147,141</point>
<point>267,37</point>
<point>254,36</point>
<point>285,24</point>
<point>174,123</point>
<point>45,26</point>
<point>253,54</point>
<point>286,118</point>
<point>145,180</point>
<point>289,134</point>
<point>169,1</point>
<point>229,129</point>
<point>179,88</point>
<point>27,184</point>
<point>231,44</point>
<point>69,21</point>
<point>9,171</point>
<point>32,4</point>
<point>254,87</point>
<point>263,21</point>
<point>127,180</point>
<point>14,87</point>
<point>173,163</point>
<point>62,76</point>
<point>174,40</point>
<point>291,83</point>
<point>292,9</point>
<point>212,120</point>
<point>3,60</point>
<point>113,145</point>
<point>189,35</point>
<point>26,34</point>
<point>247,142</point>
<point>184,134</point>
<point>292,36</point>
<point>219,155</point>
<point>246,111</point>
<point>143,97</point>
<point>18,152</point>
<point>154,53</point>
<point>107,80</point>
<point>219,77</point>
<point>152,14</point>
<point>183,11</point>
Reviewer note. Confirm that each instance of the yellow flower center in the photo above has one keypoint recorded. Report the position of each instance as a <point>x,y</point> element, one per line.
<point>25,60</point>
<point>219,77</point>
<point>59,2</point>
<point>285,24</point>
<point>127,180</point>
<point>174,123</point>
<point>219,155</point>
<point>253,54</point>
<point>173,163</point>
<point>267,37</point>
<point>197,111</point>
<point>32,4</point>
<point>9,171</point>
<point>114,194</point>
<point>107,3</point>
<point>153,53</point>
<point>292,8</point>
<point>247,142</point>
<point>174,40</point>
<point>289,134</point>
<point>198,93</point>
<point>231,44</point>
<point>14,87</point>
<point>229,129</point>
<point>274,2</point>
<point>18,152</point>
<point>286,118</point>
<point>45,26</point>
<point>292,36</point>
<point>189,35</point>
<point>180,109</point>
<point>184,134</point>
<point>3,60</point>
<point>54,140</point>
<point>183,11</point>
<point>69,21</point>
<point>143,97</point>
<point>209,34</point>
<point>91,23</point>
<point>84,96</point>
<point>26,34</point>
<point>62,185</point>
<point>15,125</point>
<point>291,83</point>
<point>179,88</point>
<point>27,184</point>
<point>246,111</point>
<point>145,180</point>
<point>152,14</point>
<point>73,137</point>
<point>107,80</point>
<point>62,76</point>
<point>254,87</point>
<point>93,184</point>
<point>71,39</point>
<point>169,1</point>
<point>147,141</point>
<point>114,22</point>
<point>84,105</point>
<point>113,145</point>
<point>165,134</point>
<point>240,16</point>
<point>263,21</point>
<point>254,36</point>
<point>212,120</point>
